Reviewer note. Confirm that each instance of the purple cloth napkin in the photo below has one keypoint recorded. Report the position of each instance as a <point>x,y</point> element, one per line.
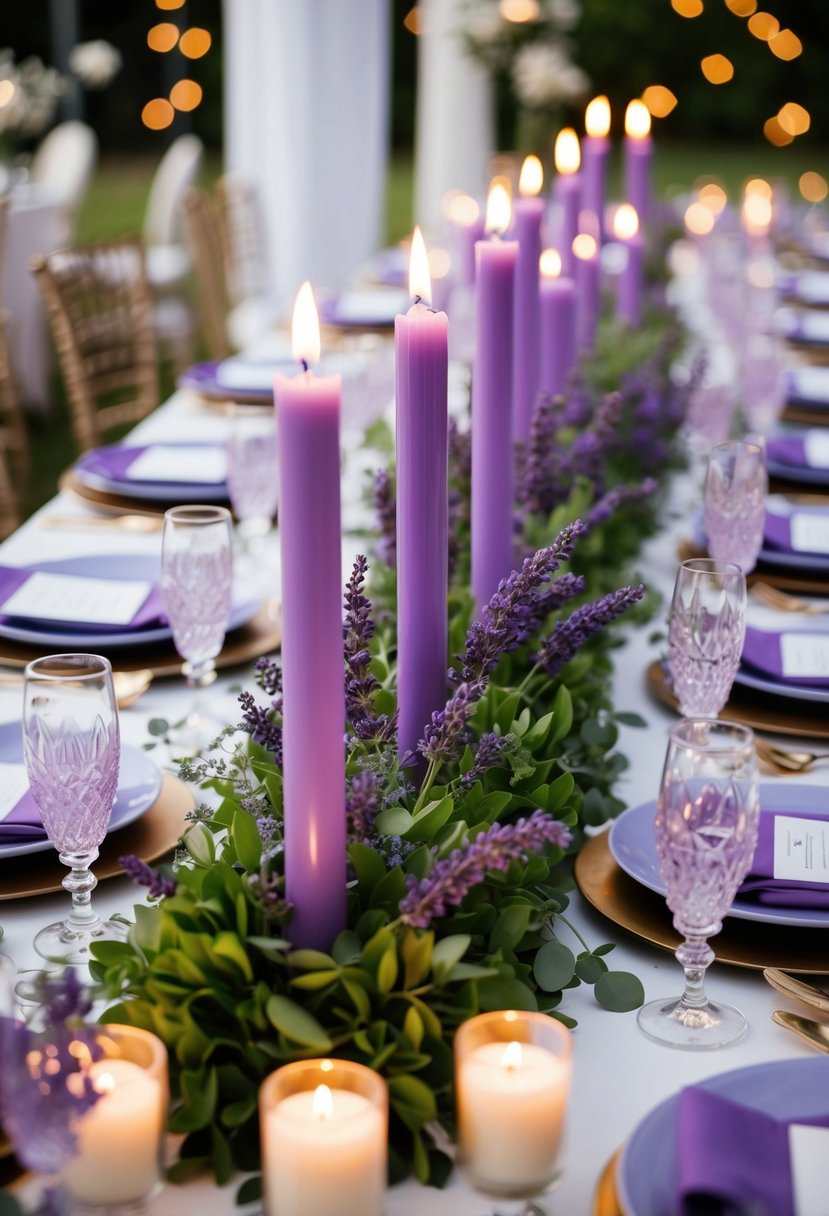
<point>23,823</point>
<point>787,449</point>
<point>113,462</point>
<point>733,1156</point>
<point>780,892</point>
<point>761,650</point>
<point>150,613</point>
<point>777,532</point>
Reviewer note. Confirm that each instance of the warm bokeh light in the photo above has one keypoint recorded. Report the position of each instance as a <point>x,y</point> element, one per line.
<point>305,327</point>
<point>420,282</point>
<point>460,208</point>
<point>186,95</point>
<point>713,196</point>
<point>7,91</point>
<point>763,26</point>
<point>157,114</point>
<point>757,213</point>
<point>758,186</point>
<point>169,5</point>
<point>413,21</point>
<point>195,42</point>
<point>813,187</point>
<point>162,37</point>
<point>742,8</point>
<point>699,219</point>
<point>532,177</point>
<point>520,11</point>
<point>550,264</point>
<point>440,263</point>
<point>785,45</point>
<point>775,134</point>
<point>717,69</point>
<point>597,117</point>
<point>585,246</point>
<point>637,120</point>
<point>760,272</point>
<point>687,8</point>
<point>498,207</point>
<point>625,222</point>
<point>567,152</point>
<point>794,118</point>
<point>659,100</point>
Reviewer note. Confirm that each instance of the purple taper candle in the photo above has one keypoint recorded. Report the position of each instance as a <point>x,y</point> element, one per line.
<point>567,193</point>
<point>638,156</point>
<point>313,666</point>
<point>595,150</point>
<point>422,374</point>
<point>467,225</point>
<point>588,289</point>
<point>629,288</point>
<point>558,324</point>
<point>526,228</point>
<point>492,453</point>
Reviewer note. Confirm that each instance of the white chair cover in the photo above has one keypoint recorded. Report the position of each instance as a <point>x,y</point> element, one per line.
<point>63,165</point>
<point>177,171</point>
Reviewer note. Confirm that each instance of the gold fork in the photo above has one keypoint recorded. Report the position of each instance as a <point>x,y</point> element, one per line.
<point>773,597</point>
<point>788,761</point>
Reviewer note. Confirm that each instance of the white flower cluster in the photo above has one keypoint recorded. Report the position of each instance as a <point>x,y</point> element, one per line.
<point>29,93</point>
<point>543,74</point>
<point>96,63</point>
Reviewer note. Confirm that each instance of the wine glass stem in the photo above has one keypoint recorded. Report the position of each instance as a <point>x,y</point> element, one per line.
<point>80,882</point>
<point>695,956</point>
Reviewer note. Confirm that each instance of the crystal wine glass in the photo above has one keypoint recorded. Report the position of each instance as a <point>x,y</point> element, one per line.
<point>252,472</point>
<point>705,634</point>
<point>72,752</point>
<point>735,502</point>
<point>706,833</point>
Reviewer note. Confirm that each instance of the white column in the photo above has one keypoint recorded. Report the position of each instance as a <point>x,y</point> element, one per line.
<point>455,127</point>
<point>306,119</point>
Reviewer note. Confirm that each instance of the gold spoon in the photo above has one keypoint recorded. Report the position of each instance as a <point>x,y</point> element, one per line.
<point>128,685</point>
<point>788,761</point>
<point>816,1034</point>
<point>797,989</point>
<point>773,597</point>
<point>115,523</point>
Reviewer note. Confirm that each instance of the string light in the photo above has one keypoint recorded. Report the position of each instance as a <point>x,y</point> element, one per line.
<point>742,8</point>
<point>717,69</point>
<point>659,100</point>
<point>520,11</point>
<point>169,5</point>
<point>157,114</point>
<point>186,95</point>
<point>194,43</point>
<point>794,119</point>
<point>775,133</point>
<point>413,21</point>
<point>813,187</point>
<point>687,8</point>
<point>763,26</point>
<point>162,37</point>
<point>785,45</point>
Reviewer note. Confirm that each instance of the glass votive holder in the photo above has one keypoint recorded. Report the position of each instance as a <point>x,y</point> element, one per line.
<point>324,1132</point>
<point>118,1163</point>
<point>512,1082</point>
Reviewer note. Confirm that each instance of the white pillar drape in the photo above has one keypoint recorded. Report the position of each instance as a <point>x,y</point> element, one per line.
<point>455,126</point>
<point>306,119</point>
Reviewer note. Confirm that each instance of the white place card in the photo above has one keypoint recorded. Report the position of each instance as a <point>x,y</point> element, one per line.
<point>193,465</point>
<point>13,785</point>
<point>812,286</point>
<point>379,306</point>
<point>804,655</point>
<point>814,327</point>
<point>801,849</point>
<point>811,383</point>
<point>73,599</point>
<point>810,532</point>
<point>816,448</point>
<point>809,1152</point>
<point>244,375</point>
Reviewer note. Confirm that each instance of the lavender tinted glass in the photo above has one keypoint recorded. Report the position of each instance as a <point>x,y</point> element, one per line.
<point>705,634</point>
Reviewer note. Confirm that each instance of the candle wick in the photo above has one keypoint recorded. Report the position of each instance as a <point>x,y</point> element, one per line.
<point>418,299</point>
<point>304,363</point>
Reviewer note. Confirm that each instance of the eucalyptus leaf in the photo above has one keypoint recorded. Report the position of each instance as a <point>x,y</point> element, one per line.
<point>297,1024</point>
<point>619,991</point>
<point>554,966</point>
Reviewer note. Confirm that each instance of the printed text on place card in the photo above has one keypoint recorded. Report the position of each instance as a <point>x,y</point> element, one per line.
<point>804,655</point>
<point>69,598</point>
<point>801,849</point>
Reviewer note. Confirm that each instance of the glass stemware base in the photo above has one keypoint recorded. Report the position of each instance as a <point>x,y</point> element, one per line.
<point>674,1023</point>
<point>68,941</point>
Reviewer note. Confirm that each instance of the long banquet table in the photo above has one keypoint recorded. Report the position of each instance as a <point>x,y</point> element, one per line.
<point>618,1075</point>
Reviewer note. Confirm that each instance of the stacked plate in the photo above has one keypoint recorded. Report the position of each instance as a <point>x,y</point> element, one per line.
<point>157,475</point>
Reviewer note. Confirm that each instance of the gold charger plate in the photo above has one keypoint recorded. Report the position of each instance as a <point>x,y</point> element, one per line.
<point>262,635</point>
<point>795,582</point>
<point>605,1200</point>
<point>150,837</point>
<point>779,715</point>
<point>742,943</point>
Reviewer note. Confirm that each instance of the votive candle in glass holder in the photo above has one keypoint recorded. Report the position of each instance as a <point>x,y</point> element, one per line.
<point>118,1163</point>
<point>512,1082</point>
<point>324,1126</point>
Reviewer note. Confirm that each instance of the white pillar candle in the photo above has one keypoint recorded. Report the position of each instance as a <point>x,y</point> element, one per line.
<point>324,1154</point>
<point>512,1099</point>
<point>119,1138</point>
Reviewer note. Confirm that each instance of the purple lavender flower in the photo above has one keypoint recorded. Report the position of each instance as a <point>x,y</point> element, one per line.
<point>489,752</point>
<point>268,676</point>
<point>451,880</point>
<point>360,684</point>
<point>545,477</point>
<point>576,404</point>
<point>448,732</point>
<point>361,805</point>
<point>569,635</point>
<point>145,876</point>
<point>62,997</point>
<point>385,504</point>
<point>260,724</point>
<point>610,502</point>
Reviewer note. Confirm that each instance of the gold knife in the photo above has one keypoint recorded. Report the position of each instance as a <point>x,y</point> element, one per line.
<point>797,989</point>
<point>816,1034</point>
<point>115,523</point>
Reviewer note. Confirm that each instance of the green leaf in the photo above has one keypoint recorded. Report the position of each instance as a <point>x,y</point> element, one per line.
<point>563,715</point>
<point>227,945</point>
<point>311,960</point>
<point>510,927</point>
<point>246,840</point>
<point>394,821</point>
<point>387,970</point>
<point>505,992</point>
<point>199,1092</point>
<point>413,1027</point>
<point>200,845</point>
<point>428,821</point>
<point>416,952</point>
<point>347,946</point>
<point>590,968</point>
<point>249,1192</point>
<point>368,866</point>
<point>630,719</point>
<point>538,732</point>
<point>554,966</point>
<point>619,991</point>
<point>448,952</point>
<point>157,727</point>
<point>297,1024</point>
<point>605,949</point>
<point>507,710</point>
<point>414,1094</point>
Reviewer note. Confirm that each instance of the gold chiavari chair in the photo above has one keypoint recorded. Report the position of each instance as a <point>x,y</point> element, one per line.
<point>203,227</point>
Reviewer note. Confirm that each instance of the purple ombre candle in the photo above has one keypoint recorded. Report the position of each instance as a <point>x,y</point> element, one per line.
<point>595,150</point>
<point>588,289</point>
<point>567,193</point>
<point>422,376</point>
<point>467,226</point>
<point>558,324</point>
<point>313,666</point>
<point>629,288</point>
<point>526,228</point>
<point>638,156</point>
<point>492,452</point>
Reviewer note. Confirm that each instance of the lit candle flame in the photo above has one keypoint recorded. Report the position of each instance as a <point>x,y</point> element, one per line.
<point>712,196</point>
<point>567,153</point>
<point>550,264</point>
<point>758,187</point>
<point>597,117</point>
<point>322,1105</point>
<point>532,177</point>
<point>513,1056</point>
<point>757,214</point>
<point>637,120</point>
<point>461,208</point>
<point>625,222</point>
<point>104,1083</point>
<point>306,327</point>
<point>585,246</point>
<point>420,281</point>
<point>498,208</point>
<point>699,219</point>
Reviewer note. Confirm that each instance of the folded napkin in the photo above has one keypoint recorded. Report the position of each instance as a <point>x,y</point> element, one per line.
<point>23,824</point>
<point>377,306</point>
<point>733,1159</point>
<point>810,328</point>
<point>192,463</point>
<point>790,848</point>
<point>789,656</point>
<point>808,386</point>
<point>804,531</point>
<point>74,602</point>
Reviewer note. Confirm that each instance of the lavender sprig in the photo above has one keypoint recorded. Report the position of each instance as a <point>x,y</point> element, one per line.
<point>385,504</point>
<point>569,636</point>
<point>489,752</point>
<point>545,479</point>
<point>361,805</point>
<point>360,683</point>
<point>451,880</point>
<point>610,502</point>
<point>260,723</point>
<point>159,885</point>
<point>448,732</point>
